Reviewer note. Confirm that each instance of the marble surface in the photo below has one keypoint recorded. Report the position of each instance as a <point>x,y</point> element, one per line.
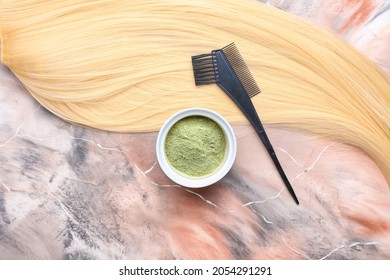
<point>69,192</point>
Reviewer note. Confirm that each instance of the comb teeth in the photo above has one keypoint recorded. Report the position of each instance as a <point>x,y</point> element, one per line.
<point>203,66</point>
<point>241,69</point>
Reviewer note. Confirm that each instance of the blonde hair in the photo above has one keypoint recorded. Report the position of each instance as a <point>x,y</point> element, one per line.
<point>126,66</point>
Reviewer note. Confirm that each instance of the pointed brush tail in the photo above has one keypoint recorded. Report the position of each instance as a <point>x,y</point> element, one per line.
<point>227,68</point>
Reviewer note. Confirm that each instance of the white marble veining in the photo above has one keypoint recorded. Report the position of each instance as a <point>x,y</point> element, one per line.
<point>69,192</point>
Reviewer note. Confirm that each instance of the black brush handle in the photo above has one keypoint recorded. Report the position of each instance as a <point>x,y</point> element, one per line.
<point>228,81</point>
<point>282,174</point>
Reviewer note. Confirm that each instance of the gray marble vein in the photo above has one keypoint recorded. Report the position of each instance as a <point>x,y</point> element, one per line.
<point>70,192</point>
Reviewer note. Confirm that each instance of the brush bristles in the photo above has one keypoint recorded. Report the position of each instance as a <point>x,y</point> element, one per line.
<point>241,69</point>
<point>203,67</point>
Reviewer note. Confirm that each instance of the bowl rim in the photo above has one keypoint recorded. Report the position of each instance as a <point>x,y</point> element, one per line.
<point>197,182</point>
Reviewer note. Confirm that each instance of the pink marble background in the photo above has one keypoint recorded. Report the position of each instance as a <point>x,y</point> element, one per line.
<point>69,192</point>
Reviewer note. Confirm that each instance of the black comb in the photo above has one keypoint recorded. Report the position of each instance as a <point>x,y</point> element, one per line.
<point>228,70</point>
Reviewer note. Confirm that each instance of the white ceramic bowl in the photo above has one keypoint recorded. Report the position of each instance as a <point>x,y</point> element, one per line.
<point>197,182</point>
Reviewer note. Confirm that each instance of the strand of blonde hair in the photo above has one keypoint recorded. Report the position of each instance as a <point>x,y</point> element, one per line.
<point>126,66</point>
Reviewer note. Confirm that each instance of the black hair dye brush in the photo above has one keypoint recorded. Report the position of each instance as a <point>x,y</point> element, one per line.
<point>227,69</point>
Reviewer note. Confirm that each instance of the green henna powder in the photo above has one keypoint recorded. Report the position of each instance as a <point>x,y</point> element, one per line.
<point>195,146</point>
